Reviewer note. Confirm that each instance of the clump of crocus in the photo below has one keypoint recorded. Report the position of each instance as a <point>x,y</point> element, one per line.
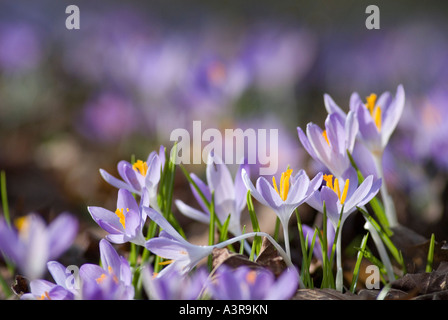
<point>30,243</point>
<point>229,195</point>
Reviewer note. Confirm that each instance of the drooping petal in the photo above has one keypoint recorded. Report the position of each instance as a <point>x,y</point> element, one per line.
<point>192,212</point>
<point>117,183</point>
<point>163,223</point>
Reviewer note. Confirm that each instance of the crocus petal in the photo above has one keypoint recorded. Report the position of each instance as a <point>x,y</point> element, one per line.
<point>360,193</point>
<point>333,108</point>
<point>306,144</point>
<point>191,212</point>
<point>37,249</point>
<point>109,256</point>
<point>167,248</point>
<point>355,101</point>
<point>134,179</point>
<point>285,286</point>
<point>61,234</point>
<point>367,129</point>
<point>319,144</point>
<point>163,223</point>
<point>154,170</point>
<point>299,189</point>
<point>58,272</point>
<point>125,200</point>
<point>110,179</point>
<point>392,115</point>
<point>253,191</point>
<point>331,204</point>
<point>268,193</point>
<point>204,189</point>
<point>106,219</point>
<point>240,188</point>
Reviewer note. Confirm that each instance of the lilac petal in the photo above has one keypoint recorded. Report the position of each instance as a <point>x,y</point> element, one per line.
<point>204,189</point>
<point>132,177</point>
<point>367,128</point>
<point>163,223</point>
<point>37,248</point>
<point>351,131</point>
<point>355,101</point>
<point>333,108</point>
<point>240,188</point>
<point>61,233</point>
<point>360,193</point>
<point>315,201</point>
<point>90,272</point>
<point>39,287</point>
<point>372,192</point>
<point>115,182</point>
<point>125,274</point>
<point>109,257</point>
<point>315,184</point>
<point>10,243</point>
<point>253,191</point>
<point>335,134</point>
<point>317,141</point>
<point>331,204</point>
<point>107,220</point>
<point>60,293</point>
<point>392,115</point>
<point>117,238</point>
<point>306,144</point>
<point>227,287</point>
<point>58,272</point>
<point>285,286</point>
<point>191,212</point>
<point>154,172</point>
<point>299,189</point>
<point>167,248</point>
<point>125,200</point>
<point>268,193</point>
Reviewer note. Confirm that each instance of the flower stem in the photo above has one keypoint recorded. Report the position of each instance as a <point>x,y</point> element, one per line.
<point>389,207</point>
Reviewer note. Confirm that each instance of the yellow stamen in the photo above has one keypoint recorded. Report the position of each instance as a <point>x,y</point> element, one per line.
<point>44,296</point>
<point>328,178</point>
<point>21,223</point>
<point>101,278</point>
<point>324,134</point>
<point>164,263</point>
<point>375,110</point>
<point>284,184</point>
<point>251,276</point>
<point>141,167</point>
<point>120,214</point>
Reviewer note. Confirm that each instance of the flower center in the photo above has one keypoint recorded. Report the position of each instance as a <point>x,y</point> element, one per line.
<point>284,184</point>
<point>375,110</point>
<point>141,167</point>
<point>120,214</point>
<point>328,178</point>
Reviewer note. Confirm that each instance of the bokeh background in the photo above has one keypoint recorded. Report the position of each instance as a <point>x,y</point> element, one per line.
<point>74,101</point>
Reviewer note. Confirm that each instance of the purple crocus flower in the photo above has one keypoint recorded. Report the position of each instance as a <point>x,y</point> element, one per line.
<point>378,118</point>
<point>31,243</point>
<point>343,196</point>
<point>284,199</point>
<point>139,176</point>
<point>330,146</point>
<point>174,285</point>
<point>112,281</point>
<point>244,283</point>
<point>62,289</point>
<point>125,224</point>
<point>171,245</point>
<point>229,195</point>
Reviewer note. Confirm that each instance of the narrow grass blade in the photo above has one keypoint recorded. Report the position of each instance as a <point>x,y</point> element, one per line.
<point>358,263</point>
<point>430,258</point>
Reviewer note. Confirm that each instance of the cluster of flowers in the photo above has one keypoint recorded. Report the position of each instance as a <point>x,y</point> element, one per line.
<point>358,137</point>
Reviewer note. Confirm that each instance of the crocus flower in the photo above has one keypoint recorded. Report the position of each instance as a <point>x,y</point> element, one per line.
<point>62,289</point>
<point>125,224</point>
<point>330,146</point>
<point>30,244</point>
<point>184,256</point>
<point>140,176</point>
<point>174,285</point>
<point>111,281</point>
<point>244,283</point>
<point>378,118</point>
<point>285,198</point>
<point>341,198</point>
<point>171,245</point>
<point>229,196</point>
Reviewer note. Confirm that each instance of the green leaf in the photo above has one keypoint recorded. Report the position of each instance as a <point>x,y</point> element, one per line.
<point>358,263</point>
